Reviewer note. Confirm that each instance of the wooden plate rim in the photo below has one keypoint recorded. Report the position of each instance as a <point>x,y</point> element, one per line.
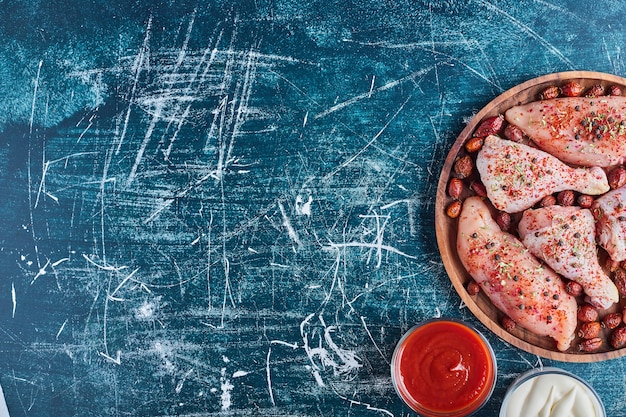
<point>442,222</point>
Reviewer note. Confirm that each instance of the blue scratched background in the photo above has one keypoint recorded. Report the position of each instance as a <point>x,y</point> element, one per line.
<point>227,208</point>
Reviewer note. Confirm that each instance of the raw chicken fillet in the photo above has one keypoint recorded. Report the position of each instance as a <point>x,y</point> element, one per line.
<point>564,237</point>
<point>517,176</point>
<point>515,281</point>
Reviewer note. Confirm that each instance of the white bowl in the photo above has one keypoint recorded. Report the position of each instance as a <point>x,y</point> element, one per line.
<point>549,384</point>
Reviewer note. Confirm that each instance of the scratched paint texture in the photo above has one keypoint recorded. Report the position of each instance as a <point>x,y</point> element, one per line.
<point>227,208</point>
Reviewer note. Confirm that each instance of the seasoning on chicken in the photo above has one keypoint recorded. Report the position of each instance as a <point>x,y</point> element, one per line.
<point>583,131</point>
<point>564,238</point>
<point>515,281</point>
<point>517,176</point>
<point>610,213</point>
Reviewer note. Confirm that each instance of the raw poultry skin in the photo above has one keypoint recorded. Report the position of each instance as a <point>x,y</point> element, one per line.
<point>516,176</point>
<point>515,281</point>
<point>579,130</point>
<point>610,213</point>
<point>564,237</point>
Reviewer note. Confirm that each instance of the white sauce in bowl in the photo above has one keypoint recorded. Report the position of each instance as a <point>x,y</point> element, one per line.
<point>552,395</point>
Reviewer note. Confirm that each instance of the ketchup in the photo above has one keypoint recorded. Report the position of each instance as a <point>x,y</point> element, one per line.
<point>444,368</point>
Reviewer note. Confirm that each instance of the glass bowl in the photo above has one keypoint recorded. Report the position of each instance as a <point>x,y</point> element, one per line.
<point>551,387</point>
<point>444,368</point>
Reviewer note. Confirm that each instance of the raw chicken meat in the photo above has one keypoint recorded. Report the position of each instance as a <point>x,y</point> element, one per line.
<point>564,237</point>
<point>610,213</point>
<point>578,130</point>
<point>515,281</point>
<point>517,176</point>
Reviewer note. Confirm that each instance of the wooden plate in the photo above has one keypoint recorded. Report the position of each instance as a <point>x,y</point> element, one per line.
<point>446,228</point>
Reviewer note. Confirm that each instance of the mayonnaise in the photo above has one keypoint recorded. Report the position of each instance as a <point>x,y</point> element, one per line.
<point>552,395</point>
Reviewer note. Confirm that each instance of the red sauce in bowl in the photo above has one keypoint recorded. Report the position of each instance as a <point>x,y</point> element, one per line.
<point>444,367</point>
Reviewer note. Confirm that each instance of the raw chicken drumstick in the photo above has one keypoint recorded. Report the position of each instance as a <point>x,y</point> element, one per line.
<point>532,295</point>
<point>517,176</point>
<point>610,212</point>
<point>564,237</point>
<point>579,130</point>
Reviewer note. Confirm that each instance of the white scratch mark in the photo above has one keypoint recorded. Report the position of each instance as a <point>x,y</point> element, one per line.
<point>104,267</point>
<point>385,87</point>
<point>410,204</point>
<point>382,284</point>
<point>208,261</point>
<point>287,223</point>
<point>295,87</point>
<point>183,49</point>
<point>52,196</point>
<point>84,131</point>
<point>117,360</point>
<point>280,342</point>
<point>239,374</point>
<point>146,140</point>
<point>227,291</point>
<point>61,329</point>
<point>42,271</point>
<point>138,65</point>
<point>269,375</point>
<point>129,276</point>
<point>158,211</point>
<point>316,376</point>
<point>28,168</point>
<point>364,404</point>
<point>302,208</point>
<point>393,203</point>
<point>349,358</point>
<point>191,84</point>
<point>168,202</point>
<point>267,366</point>
<point>59,262</point>
<point>380,232</point>
<point>337,281</point>
<point>347,362</point>
<point>306,117</point>
<point>529,31</point>
<point>372,339</point>
<point>13,299</point>
<point>560,10</point>
<point>179,386</point>
<point>32,108</point>
<point>371,86</point>
<point>374,139</point>
<point>428,47</point>
<point>244,98</point>
<point>377,246</point>
<point>226,387</point>
<point>218,124</point>
<point>44,171</point>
